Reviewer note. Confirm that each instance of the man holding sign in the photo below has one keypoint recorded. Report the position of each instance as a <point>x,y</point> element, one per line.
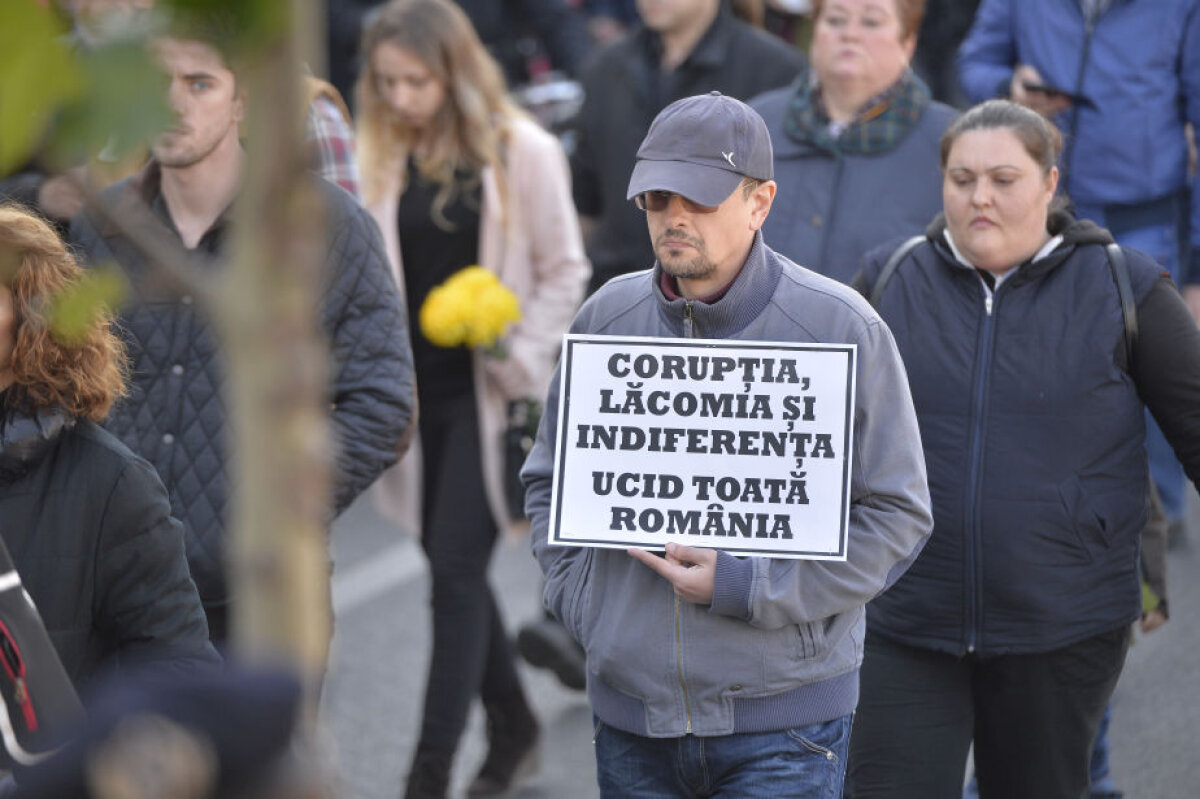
<point>758,412</point>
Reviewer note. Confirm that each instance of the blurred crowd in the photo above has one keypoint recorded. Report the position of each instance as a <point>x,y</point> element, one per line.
<point>1009,183</point>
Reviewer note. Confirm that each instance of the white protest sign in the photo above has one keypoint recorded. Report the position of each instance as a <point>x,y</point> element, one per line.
<point>740,446</point>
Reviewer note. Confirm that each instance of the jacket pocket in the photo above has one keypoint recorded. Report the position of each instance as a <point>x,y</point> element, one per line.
<point>1092,531</point>
<point>577,615</point>
<point>810,639</point>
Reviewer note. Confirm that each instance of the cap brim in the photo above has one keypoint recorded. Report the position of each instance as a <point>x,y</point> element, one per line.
<point>705,185</point>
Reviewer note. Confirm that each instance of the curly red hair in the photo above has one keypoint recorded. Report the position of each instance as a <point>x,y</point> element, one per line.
<point>84,376</point>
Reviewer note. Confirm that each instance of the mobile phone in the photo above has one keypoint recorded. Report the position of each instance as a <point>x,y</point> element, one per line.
<point>1042,88</point>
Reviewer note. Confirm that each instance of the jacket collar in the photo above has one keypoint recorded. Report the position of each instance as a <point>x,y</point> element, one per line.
<point>26,438</point>
<point>146,186</point>
<point>1073,232</point>
<point>746,298</point>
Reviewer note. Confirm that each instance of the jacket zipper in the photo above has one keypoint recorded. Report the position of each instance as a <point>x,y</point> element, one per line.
<point>687,702</point>
<point>831,212</point>
<point>973,521</point>
<point>1089,27</point>
<point>690,330</point>
<point>689,320</point>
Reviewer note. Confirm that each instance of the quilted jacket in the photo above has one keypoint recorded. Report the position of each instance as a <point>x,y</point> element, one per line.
<point>175,416</point>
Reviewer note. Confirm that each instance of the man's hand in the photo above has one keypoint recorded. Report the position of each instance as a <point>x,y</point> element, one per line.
<point>1047,104</point>
<point>690,569</point>
<point>510,377</point>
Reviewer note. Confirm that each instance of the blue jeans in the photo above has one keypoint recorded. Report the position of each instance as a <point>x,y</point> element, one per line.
<point>801,763</point>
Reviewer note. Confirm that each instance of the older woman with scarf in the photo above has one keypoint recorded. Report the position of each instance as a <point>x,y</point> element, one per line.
<point>856,139</point>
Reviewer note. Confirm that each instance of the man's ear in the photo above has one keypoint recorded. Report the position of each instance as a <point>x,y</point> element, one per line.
<point>239,105</point>
<point>760,203</point>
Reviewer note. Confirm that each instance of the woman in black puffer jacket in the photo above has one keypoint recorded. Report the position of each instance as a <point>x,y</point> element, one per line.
<point>86,521</point>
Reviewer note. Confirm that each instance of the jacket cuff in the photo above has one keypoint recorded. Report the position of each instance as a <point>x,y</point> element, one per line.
<point>731,586</point>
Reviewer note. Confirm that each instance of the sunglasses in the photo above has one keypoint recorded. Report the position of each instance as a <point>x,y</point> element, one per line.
<point>659,200</point>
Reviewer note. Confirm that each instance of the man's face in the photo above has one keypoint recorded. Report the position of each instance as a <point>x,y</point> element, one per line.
<point>665,16</point>
<point>705,247</point>
<point>204,98</point>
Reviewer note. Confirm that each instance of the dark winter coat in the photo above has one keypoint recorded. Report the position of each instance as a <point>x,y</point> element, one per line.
<point>175,415</point>
<point>89,528</point>
<point>1033,432</point>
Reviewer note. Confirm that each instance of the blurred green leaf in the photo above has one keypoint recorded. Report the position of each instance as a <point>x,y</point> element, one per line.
<point>37,74</point>
<point>124,105</point>
<point>73,313</point>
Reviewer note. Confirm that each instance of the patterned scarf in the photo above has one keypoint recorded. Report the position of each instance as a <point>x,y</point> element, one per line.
<point>884,121</point>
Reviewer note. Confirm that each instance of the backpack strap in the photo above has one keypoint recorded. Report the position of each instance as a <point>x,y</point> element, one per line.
<point>889,269</point>
<point>1120,270</point>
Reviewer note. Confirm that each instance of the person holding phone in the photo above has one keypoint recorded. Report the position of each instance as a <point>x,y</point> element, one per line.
<point>1121,81</point>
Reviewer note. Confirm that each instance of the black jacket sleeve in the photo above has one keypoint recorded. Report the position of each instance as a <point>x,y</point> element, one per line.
<point>1166,370</point>
<point>146,602</point>
<point>373,391</point>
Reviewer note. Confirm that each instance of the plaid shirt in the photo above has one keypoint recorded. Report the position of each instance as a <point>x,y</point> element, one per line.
<point>332,143</point>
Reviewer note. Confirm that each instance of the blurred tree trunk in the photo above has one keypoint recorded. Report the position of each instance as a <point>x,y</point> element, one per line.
<point>268,313</point>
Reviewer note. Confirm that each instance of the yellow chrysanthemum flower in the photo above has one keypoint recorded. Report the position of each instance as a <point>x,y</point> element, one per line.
<point>443,318</point>
<point>471,307</point>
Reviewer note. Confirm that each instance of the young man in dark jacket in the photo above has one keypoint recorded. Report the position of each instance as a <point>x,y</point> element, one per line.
<point>175,415</point>
<point>711,672</point>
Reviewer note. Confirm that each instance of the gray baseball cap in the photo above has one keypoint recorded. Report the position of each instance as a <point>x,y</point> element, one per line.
<point>701,147</point>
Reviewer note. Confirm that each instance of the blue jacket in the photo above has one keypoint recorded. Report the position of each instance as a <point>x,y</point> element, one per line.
<point>1033,432</point>
<point>781,644</point>
<point>1140,66</point>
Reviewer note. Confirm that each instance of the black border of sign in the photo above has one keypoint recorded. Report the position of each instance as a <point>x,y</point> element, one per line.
<point>571,340</point>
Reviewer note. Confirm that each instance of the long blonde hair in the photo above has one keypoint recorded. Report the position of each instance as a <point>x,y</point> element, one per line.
<point>472,123</point>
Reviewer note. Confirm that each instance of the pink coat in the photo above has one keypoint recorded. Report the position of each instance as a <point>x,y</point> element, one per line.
<point>533,244</point>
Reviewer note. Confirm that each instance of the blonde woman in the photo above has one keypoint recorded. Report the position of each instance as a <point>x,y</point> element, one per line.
<point>456,175</point>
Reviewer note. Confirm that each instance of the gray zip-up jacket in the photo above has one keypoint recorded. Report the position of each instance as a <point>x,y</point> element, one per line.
<point>781,644</point>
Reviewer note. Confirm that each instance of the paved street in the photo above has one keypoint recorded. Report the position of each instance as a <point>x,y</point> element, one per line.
<point>373,699</point>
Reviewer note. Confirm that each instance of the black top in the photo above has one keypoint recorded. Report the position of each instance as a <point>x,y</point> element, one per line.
<point>432,249</point>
